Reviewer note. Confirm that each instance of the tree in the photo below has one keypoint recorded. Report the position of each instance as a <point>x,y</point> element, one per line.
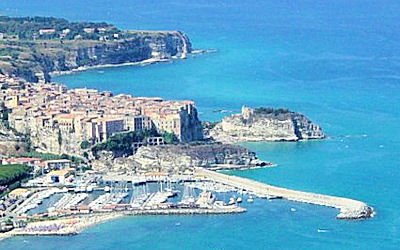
<point>85,144</point>
<point>28,146</point>
<point>59,138</point>
<point>170,138</point>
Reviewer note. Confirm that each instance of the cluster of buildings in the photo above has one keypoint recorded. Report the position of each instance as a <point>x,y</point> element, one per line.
<point>53,171</point>
<point>56,117</point>
<point>103,32</point>
<point>12,83</point>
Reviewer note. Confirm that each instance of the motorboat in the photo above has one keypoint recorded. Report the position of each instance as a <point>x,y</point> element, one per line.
<point>232,201</point>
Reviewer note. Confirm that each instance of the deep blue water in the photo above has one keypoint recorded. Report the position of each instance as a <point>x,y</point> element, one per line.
<point>338,62</point>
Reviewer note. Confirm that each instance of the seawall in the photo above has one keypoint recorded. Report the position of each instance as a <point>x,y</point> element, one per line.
<point>348,208</point>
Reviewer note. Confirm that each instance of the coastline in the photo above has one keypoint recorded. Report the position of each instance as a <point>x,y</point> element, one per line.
<point>75,224</point>
<point>139,63</point>
<point>229,167</point>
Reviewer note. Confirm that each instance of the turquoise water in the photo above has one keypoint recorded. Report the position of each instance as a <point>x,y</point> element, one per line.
<point>338,62</point>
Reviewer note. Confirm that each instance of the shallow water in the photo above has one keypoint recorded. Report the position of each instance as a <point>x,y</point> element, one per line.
<point>337,62</point>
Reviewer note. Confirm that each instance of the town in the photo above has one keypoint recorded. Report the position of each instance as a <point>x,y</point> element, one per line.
<point>58,120</point>
<point>55,177</point>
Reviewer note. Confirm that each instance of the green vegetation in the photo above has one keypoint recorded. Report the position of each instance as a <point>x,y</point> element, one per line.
<point>47,156</point>
<point>4,115</point>
<point>85,144</point>
<point>12,173</point>
<point>28,28</point>
<point>28,144</point>
<point>42,44</point>
<point>39,155</point>
<point>83,168</point>
<point>170,138</point>
<point>59,138</point>
<point>269,111</point>
<point>121,143</point>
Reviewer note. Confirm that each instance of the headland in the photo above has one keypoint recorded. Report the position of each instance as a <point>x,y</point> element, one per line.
<point>34,48</point>
<point>264,124</point>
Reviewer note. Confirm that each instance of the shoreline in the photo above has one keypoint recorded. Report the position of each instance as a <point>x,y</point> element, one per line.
<point>231,167</point>
<point>75,224</point>
<point>272,139</point>
<point>139,63</point>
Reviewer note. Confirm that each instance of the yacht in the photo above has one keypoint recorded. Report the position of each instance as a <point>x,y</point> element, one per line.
<point>232,201</point>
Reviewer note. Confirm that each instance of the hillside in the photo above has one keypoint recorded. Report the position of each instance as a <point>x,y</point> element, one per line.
<point>32,48</point>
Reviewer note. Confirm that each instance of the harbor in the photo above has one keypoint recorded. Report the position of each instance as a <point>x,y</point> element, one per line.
<point>66,209</point>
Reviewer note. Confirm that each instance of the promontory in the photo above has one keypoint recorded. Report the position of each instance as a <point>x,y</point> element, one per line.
<point>264,124</point>
<point>34,47</point>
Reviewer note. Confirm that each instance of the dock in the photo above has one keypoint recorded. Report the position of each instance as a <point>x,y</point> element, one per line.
<point>348,208</point>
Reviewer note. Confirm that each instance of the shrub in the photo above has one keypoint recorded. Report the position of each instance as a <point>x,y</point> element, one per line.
<point>85,144</point>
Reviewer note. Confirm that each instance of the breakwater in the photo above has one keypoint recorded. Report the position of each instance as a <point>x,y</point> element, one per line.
<point>348,208</point>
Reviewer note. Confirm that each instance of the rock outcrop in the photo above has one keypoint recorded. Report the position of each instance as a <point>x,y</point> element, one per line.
<point>181,158</point>
<point>265,124</point>
<point>10,143</point>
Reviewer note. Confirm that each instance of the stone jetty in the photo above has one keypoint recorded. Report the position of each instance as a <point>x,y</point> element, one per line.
<point>348,208</point>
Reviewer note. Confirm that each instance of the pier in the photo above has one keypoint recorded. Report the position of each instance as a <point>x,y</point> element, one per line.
<point>348,208</point>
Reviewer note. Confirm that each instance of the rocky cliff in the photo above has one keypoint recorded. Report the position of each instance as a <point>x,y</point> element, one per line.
<point>40,59</point>
<point>10,142</point>
<point>180,158</point>
<point>55,142</point>
<point>265,124</point>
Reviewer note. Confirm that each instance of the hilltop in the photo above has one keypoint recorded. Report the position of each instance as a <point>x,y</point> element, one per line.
<point>35,47</point>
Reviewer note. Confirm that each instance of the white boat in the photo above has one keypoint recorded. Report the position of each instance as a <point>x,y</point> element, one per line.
<point>107,189</point>
<point>293,209</point>
<point>250,199</point>
<point>89,189</point>
<point>239,200</point>
<point>232,201</point>
<point>219,203</point>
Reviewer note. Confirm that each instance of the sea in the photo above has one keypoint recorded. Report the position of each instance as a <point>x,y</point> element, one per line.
<point>337,62</point>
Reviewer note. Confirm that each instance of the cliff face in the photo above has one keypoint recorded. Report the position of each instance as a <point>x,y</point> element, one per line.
<point>193,155</point>
<point>265,125</point>
<point>43,58</point>
<point>10,143</point>
<point>157,45</point>
<point>180,158</point>
<point>55,142</point>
